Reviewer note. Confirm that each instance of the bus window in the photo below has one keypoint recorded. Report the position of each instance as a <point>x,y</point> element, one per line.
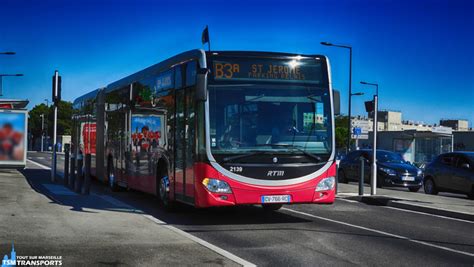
<point>178,77</point>
<point>191,73</point>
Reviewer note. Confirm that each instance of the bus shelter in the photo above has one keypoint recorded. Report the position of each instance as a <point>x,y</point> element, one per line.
<point>419,147</point>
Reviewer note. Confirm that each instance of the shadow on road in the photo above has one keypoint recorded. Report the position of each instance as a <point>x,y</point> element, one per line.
<point>233,219</point>
<point>102,198</point>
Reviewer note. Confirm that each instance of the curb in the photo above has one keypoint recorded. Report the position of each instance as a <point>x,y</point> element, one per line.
<point>396,203</point>
<point>46,152</point>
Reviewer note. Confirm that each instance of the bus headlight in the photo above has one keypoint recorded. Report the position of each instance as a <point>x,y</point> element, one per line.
<point>326,184</point>
<point>216,186</point>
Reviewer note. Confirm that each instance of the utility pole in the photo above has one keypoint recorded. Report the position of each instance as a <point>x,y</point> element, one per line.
<point>373,177</point>
<point>349,135</point>
<point>42,131</point>
<point>56,100</point>
<point>373,190</point>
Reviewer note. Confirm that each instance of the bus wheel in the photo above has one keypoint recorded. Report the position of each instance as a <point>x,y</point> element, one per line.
<point>271,207</point>
<point>164,193</point>
<point>111,176</point>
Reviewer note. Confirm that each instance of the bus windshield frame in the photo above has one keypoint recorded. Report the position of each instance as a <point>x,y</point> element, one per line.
<point>274,116</point>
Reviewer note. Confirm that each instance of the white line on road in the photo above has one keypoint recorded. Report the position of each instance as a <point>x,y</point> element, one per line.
<point>208,245</point>
<point>40,165</point>
<point>381,232</point>
<point>412,211</point>
<point>429,214</point>
<point>348,200</point>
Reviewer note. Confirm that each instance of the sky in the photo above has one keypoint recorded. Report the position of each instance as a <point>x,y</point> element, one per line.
<point>419,52</point>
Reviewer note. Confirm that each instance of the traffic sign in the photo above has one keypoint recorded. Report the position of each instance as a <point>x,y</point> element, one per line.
<point>360,137</point>
<point>356,131</point>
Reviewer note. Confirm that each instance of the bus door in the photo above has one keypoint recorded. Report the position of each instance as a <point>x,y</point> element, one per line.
<point>184,145</point>
<point>180,145</point>
<point>189,139</point>
<point>116,142</point>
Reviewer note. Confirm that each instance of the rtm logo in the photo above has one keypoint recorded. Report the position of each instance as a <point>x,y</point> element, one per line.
<point>275,173</point>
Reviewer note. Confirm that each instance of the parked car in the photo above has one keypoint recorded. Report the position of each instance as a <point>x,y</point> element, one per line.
<point>392,169</point>
<point>451,172</point>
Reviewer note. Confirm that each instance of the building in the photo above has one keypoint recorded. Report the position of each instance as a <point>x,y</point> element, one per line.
<point>457,125</point>
<point>389,120</point>
<point>417,142</point>
<point>463,140</point>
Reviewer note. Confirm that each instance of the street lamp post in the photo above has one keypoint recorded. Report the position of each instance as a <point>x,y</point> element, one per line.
<point>42,131</point>
<point>6,75</point>
<point>350,89</point>
<point>47,116</point>
<point>373,176</point>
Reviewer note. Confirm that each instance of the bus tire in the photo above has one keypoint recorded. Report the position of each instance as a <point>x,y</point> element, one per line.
<point>111,181</point>
<point>271,207</point>
<point>163,188</point>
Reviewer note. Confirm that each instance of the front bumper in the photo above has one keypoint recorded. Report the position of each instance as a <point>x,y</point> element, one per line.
<point>397,181</point>
<point>247,194</point>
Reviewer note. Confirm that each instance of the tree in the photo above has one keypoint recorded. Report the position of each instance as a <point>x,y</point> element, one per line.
<point>64,120</point>
<point>342,131</point>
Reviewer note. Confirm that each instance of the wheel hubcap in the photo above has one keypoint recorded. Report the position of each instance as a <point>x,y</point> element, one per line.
<point>162,189</point>
<point>429,186</point>
<point>111,180</point>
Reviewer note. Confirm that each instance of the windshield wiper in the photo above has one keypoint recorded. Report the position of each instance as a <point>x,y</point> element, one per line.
<point>318,158</point>
<point>252,153</point>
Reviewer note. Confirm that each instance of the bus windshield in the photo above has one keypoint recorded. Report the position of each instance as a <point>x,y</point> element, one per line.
<point>277,118</point>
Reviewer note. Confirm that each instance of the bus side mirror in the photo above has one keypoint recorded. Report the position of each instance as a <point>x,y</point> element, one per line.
<point>201,84</point>
<point>337,102</point>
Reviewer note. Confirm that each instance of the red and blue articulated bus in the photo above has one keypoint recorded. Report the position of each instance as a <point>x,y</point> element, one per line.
<point>216,129</point>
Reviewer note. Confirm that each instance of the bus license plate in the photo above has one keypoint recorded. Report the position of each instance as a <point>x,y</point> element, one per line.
<point>276,199</point>
<point>408,178</point>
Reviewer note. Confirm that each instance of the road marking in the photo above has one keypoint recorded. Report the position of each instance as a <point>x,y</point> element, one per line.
<point>348,200</point>
<point>381,232</point>
<point>429,214</point>
<point>40,165</point>
<point>206,244</point>
<point>412,211</point>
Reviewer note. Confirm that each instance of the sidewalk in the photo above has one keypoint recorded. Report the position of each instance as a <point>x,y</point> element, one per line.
<point>445,204</point>
<point>88,230</point>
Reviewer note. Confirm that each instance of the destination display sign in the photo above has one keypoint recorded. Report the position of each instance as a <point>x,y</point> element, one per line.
<point>250,69</point>
<point>164,81</point>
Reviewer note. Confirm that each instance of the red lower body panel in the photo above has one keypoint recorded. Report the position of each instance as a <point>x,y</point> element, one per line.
<point>247,194</point>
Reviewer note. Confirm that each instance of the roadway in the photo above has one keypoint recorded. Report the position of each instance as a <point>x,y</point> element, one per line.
<point>345,233</point>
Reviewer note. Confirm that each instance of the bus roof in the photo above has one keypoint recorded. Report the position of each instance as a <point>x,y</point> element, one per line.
<point>183,57</point>
<point>157,68</point>
<point>83,98</point>
<point>260,54</point>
